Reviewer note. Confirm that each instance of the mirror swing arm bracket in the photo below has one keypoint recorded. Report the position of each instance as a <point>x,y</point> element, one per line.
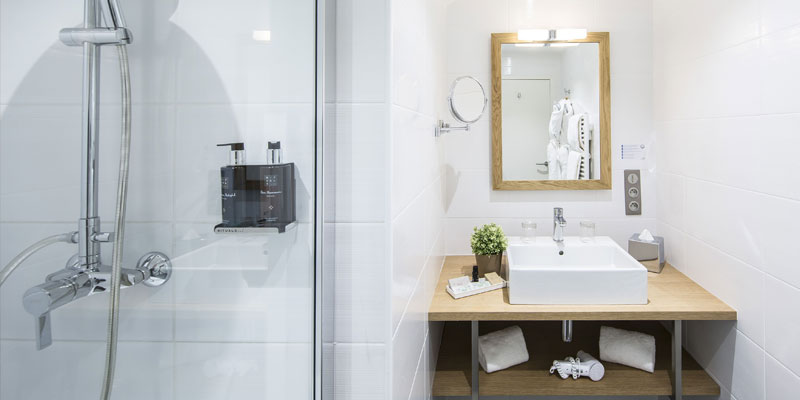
<point>443,127</point>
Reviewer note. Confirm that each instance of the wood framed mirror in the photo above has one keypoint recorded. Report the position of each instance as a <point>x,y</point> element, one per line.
<point>551,113</point>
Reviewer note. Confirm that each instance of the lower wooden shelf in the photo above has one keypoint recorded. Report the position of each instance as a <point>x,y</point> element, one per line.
<point>544,343</point>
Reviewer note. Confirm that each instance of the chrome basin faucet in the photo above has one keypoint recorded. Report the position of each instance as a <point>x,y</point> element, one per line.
<point>558,224</point>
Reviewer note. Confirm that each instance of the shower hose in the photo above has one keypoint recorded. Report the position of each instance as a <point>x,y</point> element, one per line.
<point>119,236</point>
<point>119,223</point>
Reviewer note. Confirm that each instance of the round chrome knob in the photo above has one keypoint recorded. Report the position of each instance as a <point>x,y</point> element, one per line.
<point>158,266</point>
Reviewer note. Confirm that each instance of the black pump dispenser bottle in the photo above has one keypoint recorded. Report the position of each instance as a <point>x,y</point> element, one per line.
<point>233,179</point>
<point>277,190</point>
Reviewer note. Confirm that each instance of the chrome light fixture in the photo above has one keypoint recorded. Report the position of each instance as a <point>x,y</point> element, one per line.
<point>530,35</point>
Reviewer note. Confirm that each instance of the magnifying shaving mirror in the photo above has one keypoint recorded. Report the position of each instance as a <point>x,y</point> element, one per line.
<point>467,102</point>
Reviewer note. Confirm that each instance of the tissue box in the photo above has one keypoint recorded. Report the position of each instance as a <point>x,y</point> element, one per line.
<point>643,250</point>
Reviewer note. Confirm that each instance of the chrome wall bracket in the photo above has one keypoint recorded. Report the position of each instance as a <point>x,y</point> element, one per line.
<point>443,127</point>
<point>98,36</point>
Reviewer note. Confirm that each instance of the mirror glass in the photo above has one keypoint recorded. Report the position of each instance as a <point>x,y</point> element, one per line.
<point>551,110</point>
<point>467,99</point>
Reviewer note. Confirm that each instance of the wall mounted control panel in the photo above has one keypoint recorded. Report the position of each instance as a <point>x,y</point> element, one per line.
<point>633,192</point>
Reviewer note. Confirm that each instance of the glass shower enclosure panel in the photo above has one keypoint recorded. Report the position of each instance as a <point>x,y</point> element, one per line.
<point>236,319</point>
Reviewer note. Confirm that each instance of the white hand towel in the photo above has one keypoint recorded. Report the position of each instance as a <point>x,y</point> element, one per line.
<point>634,349</point>
<point>573,165</point>
<point>502,349</point>
<point>553,167</point>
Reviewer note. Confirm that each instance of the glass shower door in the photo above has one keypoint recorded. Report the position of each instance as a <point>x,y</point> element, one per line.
<point>236,319</point>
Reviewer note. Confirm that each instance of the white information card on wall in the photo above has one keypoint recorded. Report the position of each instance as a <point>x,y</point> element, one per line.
<point>633,152</point>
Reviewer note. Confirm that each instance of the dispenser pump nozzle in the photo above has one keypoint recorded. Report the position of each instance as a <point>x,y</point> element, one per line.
<point>274,152</point>
<point>237,153</point>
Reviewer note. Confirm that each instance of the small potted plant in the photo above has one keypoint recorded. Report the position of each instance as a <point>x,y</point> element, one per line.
<point>488,244</point>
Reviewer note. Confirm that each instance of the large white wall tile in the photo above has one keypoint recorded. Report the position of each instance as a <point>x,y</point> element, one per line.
<point>65,363</point>
<point>552,14</point>
<point>470,24</point>
<point>242,370</point>
<point>781,383</point>
<point>779,59</point>
<point>362,51</point>
<point>742,288</point>
<point>686,29</point>
<point>729,356</point>
<point>759,239</point>
<point>246,288</point>
<point>359,263</point>
<point>782,325</point>
<point>415,159</point>
<point>233,67</point>
<point>360,167</point>
<point>360,372</point>
<point>778,14</point>
<point>458,230</point>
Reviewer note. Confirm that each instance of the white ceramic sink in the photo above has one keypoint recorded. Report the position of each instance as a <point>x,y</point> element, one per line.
<point>598,272</point>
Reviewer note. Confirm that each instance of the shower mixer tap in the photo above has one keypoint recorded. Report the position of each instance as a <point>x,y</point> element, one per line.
<point>75,281</point>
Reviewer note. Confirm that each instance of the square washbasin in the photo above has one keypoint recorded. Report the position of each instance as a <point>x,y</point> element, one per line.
<point>574,272</point>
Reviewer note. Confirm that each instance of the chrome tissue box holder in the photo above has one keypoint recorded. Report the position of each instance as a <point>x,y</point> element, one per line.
<point>643,250</point>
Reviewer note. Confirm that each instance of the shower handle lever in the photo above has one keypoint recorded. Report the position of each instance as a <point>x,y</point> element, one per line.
<point>40,300</point>
<point>44,334</point>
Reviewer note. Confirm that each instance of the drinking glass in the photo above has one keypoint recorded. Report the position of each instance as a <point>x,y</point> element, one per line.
<point>528,231</point>
<point>587,231</point>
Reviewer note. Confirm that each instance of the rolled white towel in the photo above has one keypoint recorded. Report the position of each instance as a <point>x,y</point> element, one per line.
<point>502,349</point>
<point>634,349</point>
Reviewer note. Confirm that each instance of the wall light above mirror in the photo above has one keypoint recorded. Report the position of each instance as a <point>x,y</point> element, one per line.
<point>551,34</point>
<point>551,115</point>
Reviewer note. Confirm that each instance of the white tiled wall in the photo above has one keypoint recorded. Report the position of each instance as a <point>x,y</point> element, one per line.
<point>357,225</point>
<point>726,123</point>
<point>469,198</point>
<point>236,319</point>
<point>417,88</point>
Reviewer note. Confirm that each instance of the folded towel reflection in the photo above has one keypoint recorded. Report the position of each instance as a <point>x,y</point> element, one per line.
<point>573,166</point>
<point>502,349</point>
<point>634,349</point>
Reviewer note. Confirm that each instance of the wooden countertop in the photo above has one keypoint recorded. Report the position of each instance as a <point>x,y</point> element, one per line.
<point>671,296</point>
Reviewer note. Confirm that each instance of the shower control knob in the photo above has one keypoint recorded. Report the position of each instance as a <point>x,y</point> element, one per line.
<point>157,268</point>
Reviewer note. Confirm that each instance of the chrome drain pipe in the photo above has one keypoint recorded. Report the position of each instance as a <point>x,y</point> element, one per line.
<point>566,330</point>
